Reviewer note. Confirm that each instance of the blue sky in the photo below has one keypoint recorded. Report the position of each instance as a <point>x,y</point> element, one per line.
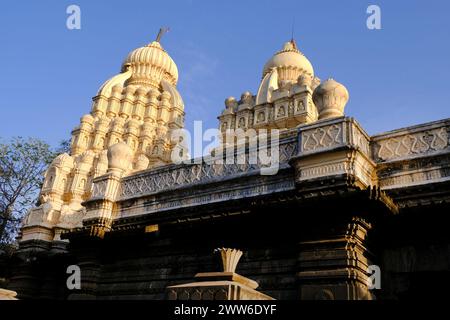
<point>397,76</point>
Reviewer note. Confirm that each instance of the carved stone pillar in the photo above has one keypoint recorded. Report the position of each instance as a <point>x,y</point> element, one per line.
<point>333,263</point>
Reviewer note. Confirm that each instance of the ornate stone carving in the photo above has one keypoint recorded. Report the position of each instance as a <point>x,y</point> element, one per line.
<point>361,141</point>
<point>334,147</point>
<point>230,258</point>
<point>191,197</point>
<point>138,107</point>
<point>412,144</point>
<point>322,137</point>
<point>284,97</point>
<point>330,97</point>
<point>330,169</point>
<point>99,188</point>
<point>171,177</point>
<point>417,171</point>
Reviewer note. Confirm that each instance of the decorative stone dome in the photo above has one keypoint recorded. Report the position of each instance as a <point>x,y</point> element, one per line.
<point>247,97</point>
<point>230,105</point>
<point>330,98</point>
<point>290,63</point>
<point>230,102</point>
<point>150,65</point>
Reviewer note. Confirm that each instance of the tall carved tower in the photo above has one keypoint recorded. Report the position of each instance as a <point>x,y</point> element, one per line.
<point>128,128</point>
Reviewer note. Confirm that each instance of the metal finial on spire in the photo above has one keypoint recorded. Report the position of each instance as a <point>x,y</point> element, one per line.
<point>292,30</point>
<point>161,32</point>
<point>294,44</point>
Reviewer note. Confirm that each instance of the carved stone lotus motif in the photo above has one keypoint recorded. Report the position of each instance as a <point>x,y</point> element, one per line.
<point>230,258</point>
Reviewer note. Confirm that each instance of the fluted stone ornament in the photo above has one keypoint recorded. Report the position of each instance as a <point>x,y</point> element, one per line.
<point>230,258</point>
<point>150,64</point>
<point>330,98</point>
<point>119,157</point>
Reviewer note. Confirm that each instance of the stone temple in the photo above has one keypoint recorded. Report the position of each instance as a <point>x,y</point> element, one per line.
<point>341,204</point>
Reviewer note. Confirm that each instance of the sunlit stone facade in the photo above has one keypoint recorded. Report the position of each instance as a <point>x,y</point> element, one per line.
<point>140,227</point>
<point>132,115</point>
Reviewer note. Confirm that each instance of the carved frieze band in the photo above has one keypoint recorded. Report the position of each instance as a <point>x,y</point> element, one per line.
<point>327,169</point>
<point>322,137</point>
<point>338,133</point>
<point>361,140</point>
<point>415,171</point>
<point>410,143</point>
<point>188,197</point>
<point>406,145</point>
<point>99,188</point>
<point>412,178</point>
<point>195,173</point>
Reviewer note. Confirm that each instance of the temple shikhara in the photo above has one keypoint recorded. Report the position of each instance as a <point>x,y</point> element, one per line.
<point>139,226</point>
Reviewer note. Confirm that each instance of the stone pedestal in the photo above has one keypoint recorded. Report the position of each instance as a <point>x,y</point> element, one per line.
<point>217,286</point>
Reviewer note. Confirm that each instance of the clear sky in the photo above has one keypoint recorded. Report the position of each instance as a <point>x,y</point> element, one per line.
<point>396,76</point>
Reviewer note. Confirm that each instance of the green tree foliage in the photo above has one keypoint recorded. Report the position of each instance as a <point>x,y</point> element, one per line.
<point>22,166</point>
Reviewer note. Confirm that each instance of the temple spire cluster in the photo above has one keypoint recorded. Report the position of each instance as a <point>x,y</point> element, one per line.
<point>135,111</point>
<point>339,204</point>
<point>289,95</point>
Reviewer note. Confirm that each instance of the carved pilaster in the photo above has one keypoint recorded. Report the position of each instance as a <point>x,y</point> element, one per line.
<point>333,263</point>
